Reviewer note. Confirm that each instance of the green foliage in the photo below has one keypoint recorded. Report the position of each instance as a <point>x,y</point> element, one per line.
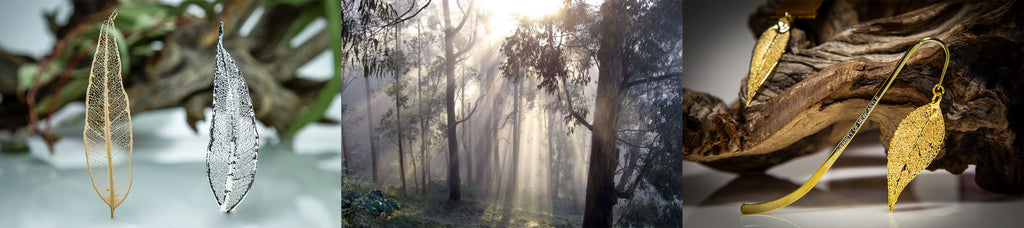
<point>208,7</point>
<point>389,122</point>
<point>311,13</point>
<point>373,203</point>
<point>272,3</point>
<point>655,39</point>
<point>140,26</point>
<point>364,31</point>
<point>667,123</point>
<point>659,107</point>
<point>533,50</point>
<point>29,74</point>
<point>365,20</point>
<point>141,23</point>
<point>362,205</point>
<point>323,100</point>
<point>72,90</point>
<point>558,50</point>
<point>651,212</point>
<point>434,210</point>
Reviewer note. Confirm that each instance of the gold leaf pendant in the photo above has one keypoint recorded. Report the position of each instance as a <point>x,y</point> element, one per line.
<point>767,52</point>
<point>915,143</point>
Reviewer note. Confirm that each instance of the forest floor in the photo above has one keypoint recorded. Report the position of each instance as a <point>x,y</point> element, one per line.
<point>437,211</point>
<point>433,209</point>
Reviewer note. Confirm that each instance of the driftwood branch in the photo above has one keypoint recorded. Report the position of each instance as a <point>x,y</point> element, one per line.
<point>834,64</point>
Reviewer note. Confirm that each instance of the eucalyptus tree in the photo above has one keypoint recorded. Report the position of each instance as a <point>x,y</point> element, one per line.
<point>633,42</point>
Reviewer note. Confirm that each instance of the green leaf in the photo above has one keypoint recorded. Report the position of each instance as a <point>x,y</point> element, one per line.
<point>122,50</point>
<point>272,3</point>
<point>29,74</point>
<point>71,91</point>
<point>25,74</point>
<point>332,11</point>
<point>206,6</point>
<point>304,19</point>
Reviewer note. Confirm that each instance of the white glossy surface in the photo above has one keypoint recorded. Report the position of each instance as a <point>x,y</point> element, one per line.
<point>293,186</point>
<point>851,194</point>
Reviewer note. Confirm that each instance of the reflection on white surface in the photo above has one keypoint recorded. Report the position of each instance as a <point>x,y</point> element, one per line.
<point>170,188</point>
<point>852,194</point>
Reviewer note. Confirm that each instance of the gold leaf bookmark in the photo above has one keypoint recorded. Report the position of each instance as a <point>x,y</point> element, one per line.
<point>916,141</point>
<point>767,52</point>
<point>108,122</point>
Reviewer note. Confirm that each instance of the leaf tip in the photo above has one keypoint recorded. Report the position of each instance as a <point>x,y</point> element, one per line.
<point>225,208</point>
<point>113,14</point>
<point>220,33</point>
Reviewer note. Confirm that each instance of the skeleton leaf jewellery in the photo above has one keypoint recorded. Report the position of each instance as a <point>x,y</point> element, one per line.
<point>108,122</point>
<point>915,143</point>
<point>767,52</point>
<point>234,142</point>
<point>772,43</point>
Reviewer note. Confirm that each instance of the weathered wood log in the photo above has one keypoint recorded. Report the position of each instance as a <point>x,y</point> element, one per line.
<point>180,74</point>
<point>834,64</point>
<point>182,71</point>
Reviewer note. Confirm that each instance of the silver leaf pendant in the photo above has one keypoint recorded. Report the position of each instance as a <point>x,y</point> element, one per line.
<point>231,155</point>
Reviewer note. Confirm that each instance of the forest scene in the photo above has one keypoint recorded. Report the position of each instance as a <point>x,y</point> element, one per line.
<point>451,113</point>
<point>511,113</point>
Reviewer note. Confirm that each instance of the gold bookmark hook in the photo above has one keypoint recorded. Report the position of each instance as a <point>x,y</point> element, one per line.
<point>937,90</point>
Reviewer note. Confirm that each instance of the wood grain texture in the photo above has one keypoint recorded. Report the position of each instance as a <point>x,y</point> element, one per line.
<point>108,122</point>
<point>835,63</point>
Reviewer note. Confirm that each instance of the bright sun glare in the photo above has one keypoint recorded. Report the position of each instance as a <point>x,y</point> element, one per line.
<point>505,12</point>
<point>526,8</point>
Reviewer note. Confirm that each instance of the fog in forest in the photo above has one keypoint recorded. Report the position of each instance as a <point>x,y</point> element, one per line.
<point>523,132</point>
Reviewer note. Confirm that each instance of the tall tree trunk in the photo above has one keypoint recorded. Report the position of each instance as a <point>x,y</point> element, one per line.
<point>553,157</point>
<point>466,135</point>
<point>485,146</point>
<point>341,123</point>
<point>401,153</point>
<point>412,161</point>
<point>369,124</point>
<point>601,195</point>
<point>469,152</point>
<point>495,149</point>
<point>449,103</point>
<point>497,166</point>
<point>398,109</point>
<point>344,145</point>
<point>423,135</point>
<point>423,124</point>
<point>516,128</point>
